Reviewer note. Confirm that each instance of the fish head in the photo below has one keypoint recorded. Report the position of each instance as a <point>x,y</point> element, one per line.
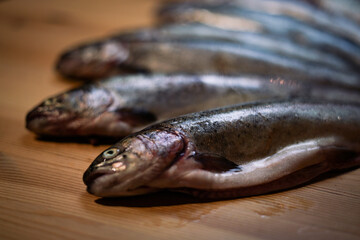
<point>93,60</point>
<point>67,113</point>
<point>88,111</point>
<point>127,167</point>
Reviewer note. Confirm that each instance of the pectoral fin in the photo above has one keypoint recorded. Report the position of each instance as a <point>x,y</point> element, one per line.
<point>215,163</point>
<point>135,117</point>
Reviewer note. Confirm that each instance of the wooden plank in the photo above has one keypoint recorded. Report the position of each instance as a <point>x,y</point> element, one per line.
<point>41,191</point>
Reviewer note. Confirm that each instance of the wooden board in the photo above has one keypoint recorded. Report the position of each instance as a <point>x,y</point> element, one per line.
<point>41,191</point>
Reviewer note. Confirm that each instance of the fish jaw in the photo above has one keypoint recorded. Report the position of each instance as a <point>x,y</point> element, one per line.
<point>127,167</point>
<point>88,111</point>
<point>50,117</point>
<point>68,113</point>
<point>94,60</point>
<point>106,124</point>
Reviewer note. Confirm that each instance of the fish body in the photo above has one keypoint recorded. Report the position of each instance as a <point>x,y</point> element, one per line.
<point>197,31</point>
<point>235,151</point>
<point>118,106</point>
<point>346,8</point>
<point>336,24</point>
<point>303,11</point>
<point>290,31</point>
<point>300,32</point>
<point>198,57</point>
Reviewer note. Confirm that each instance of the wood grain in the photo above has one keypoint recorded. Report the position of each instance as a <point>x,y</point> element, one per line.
<point>41,191</point>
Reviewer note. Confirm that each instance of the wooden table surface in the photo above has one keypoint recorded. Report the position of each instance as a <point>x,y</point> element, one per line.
<point>41,191</point>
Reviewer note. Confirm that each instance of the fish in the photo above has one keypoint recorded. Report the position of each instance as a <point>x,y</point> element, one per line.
<point>235,151</point>
<point>302,11</point>
<point>246,19</point>
<point>195,58</point>
<point>346,8</point>
<point>118,106</point>
<point>198,31</point>
<point>309,14</point>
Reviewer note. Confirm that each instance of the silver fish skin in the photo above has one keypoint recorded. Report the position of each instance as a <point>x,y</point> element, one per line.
<point>277,25</point>
<point>346,8</point>
<point>305,12</point>
<point>199,57</point>
<point>118,106</point>
<point>196,31</point>
<point>230,152</point>
<point>300,10</point>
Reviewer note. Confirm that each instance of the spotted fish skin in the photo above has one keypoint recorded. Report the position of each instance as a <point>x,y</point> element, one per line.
<point>241,150</point>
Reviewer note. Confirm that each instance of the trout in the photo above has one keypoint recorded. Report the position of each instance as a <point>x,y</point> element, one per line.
<point>195,57</point>
<point>118,106</point>
<point>235,151</point>
<point>253,20</point>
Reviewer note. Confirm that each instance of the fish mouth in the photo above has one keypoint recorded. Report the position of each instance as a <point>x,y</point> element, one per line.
<point>100,179</point>
<point>46,123</point>
<point>34,114</point>
<point>105,124</point>
<point>36,120</point>
<point>90,177</point>
<point>76,112</point>
<point>33,118</point>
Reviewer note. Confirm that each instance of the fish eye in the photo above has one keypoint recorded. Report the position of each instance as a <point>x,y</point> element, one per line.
<point>110,153</point>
